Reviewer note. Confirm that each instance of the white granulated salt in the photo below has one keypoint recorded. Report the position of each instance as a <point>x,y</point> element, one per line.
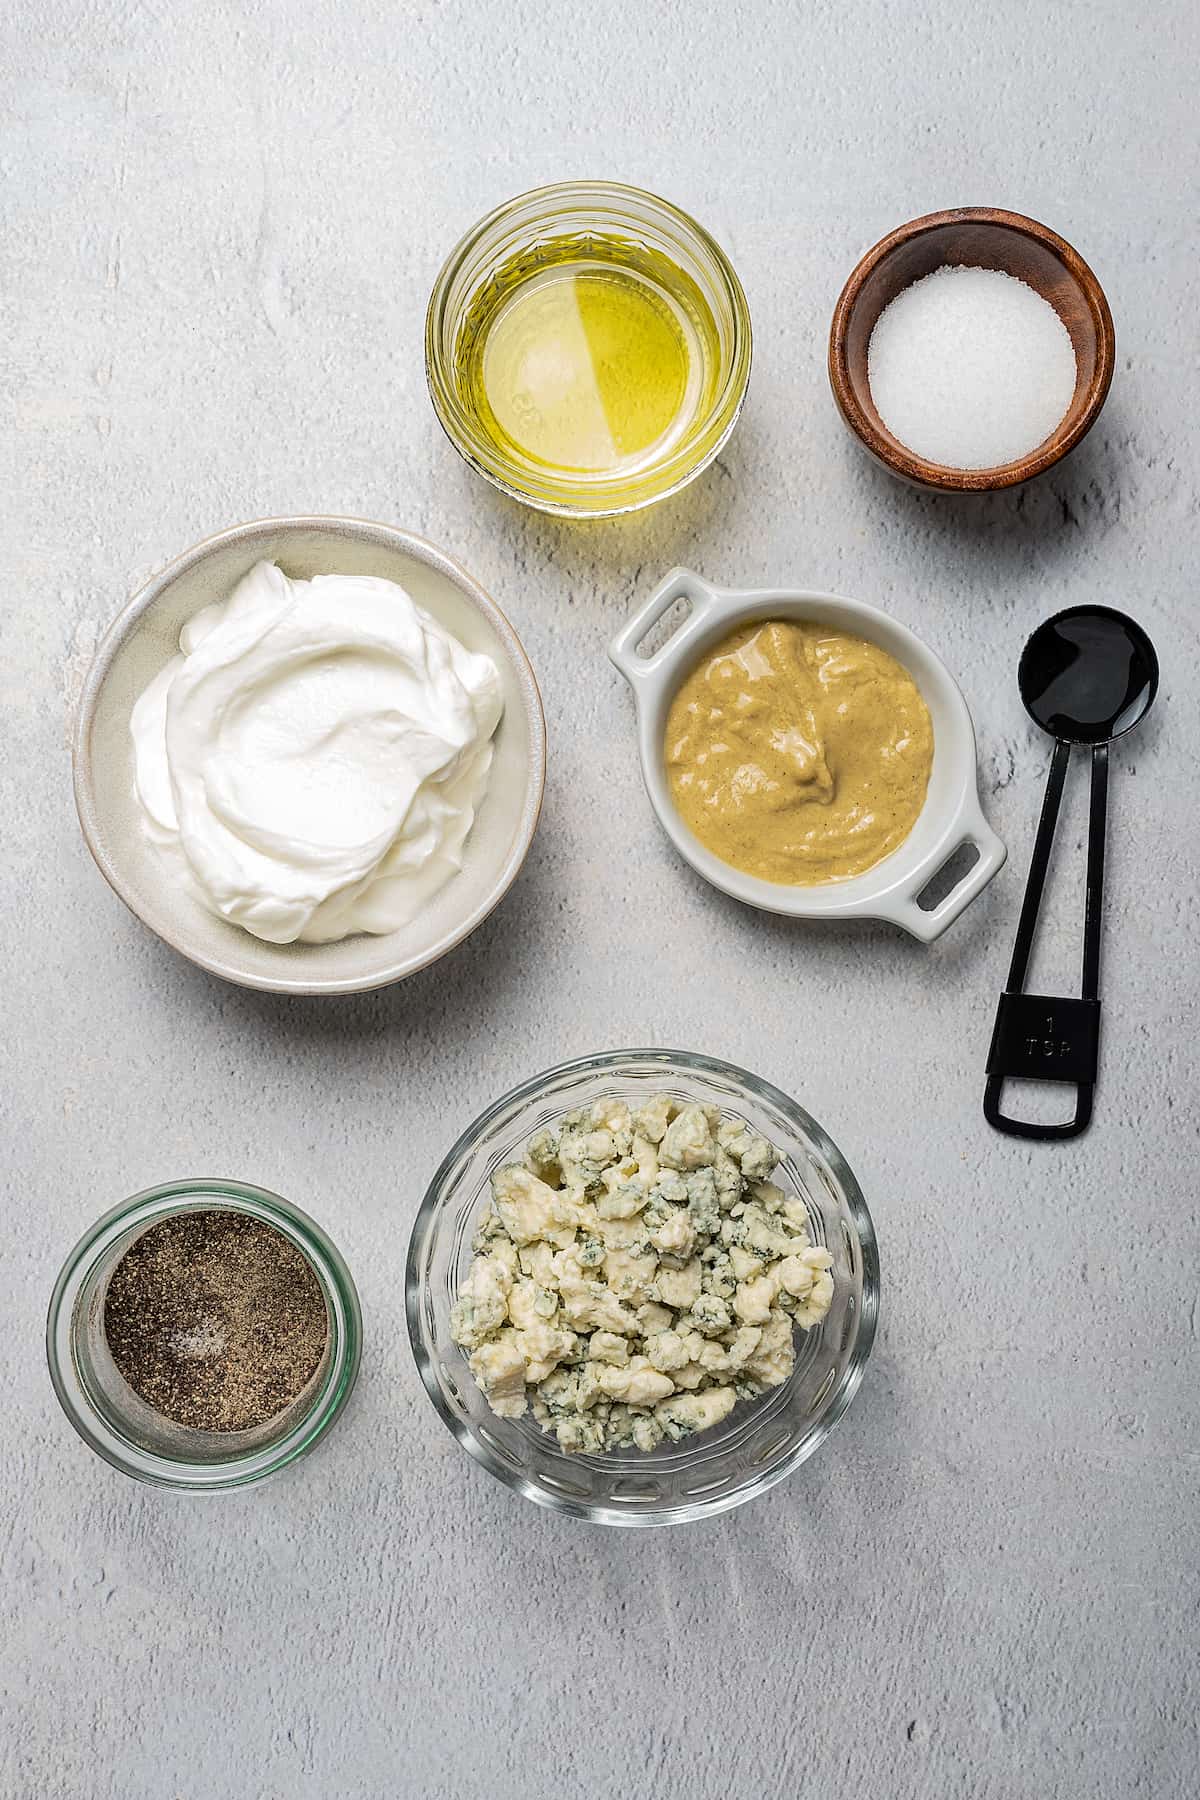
<point>970,368</point>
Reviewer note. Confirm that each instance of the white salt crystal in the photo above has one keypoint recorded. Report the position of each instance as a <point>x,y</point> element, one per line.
<point>970,368</point>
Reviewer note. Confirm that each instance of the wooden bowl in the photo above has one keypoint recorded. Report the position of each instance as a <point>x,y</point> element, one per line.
<point>980,237</point>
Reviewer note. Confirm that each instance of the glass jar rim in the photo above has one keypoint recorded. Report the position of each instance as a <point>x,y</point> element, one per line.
<point>684,463</point>
<point>150,1206</point>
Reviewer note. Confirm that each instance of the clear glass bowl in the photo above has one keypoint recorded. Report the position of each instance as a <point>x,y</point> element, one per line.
<point>117,1423</point>
<point>762,1440</point>
<point>587,211</point>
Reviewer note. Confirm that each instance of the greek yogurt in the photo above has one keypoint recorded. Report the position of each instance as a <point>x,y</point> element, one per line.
<point>312,760</point>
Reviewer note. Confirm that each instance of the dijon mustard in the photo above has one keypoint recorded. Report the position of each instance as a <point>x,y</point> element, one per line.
<point>799,753</point>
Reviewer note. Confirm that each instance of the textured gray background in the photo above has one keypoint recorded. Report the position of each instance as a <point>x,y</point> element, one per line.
<point>220,225</point>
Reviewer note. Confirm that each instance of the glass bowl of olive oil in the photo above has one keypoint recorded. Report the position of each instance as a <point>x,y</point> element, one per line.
<point>587,347</point>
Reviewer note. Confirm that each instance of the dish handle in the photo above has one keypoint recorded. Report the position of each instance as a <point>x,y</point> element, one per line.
<point>681,584</point>
<point>903,909</point>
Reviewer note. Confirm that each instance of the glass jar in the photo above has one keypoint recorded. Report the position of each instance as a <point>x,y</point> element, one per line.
<point>118,1424</point>
<point>588,216</point>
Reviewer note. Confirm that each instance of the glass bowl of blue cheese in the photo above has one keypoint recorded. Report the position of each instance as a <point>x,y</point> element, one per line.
<point>642,1287</point>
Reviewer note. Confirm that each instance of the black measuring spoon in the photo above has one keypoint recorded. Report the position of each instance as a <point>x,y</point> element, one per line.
<point>1086,676</point>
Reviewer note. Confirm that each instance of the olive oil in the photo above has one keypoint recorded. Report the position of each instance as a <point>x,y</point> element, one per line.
<point>589,359</point>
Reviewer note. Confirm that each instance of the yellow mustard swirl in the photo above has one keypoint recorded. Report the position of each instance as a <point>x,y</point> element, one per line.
<point>799,753</point>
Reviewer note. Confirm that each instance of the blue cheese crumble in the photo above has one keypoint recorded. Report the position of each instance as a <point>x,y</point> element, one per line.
<point>636,1275</point>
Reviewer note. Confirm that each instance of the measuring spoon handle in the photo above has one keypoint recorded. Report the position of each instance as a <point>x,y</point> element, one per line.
<point>1048,1037</point>
<point>1039,864</point>
<point>1097,828</point>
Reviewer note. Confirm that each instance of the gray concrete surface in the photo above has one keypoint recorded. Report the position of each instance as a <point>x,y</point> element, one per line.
<point>219,224</point>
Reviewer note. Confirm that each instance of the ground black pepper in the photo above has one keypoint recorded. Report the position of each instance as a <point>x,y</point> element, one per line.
<point>215,1320</point>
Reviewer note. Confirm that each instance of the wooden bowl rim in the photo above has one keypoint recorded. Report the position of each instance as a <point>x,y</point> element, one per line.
<point>887,449</point>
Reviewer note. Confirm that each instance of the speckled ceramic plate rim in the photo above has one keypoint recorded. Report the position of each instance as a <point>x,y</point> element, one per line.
<point>128,620</point>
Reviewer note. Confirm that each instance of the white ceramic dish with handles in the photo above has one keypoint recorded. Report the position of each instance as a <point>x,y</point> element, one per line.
<point>950,819</point>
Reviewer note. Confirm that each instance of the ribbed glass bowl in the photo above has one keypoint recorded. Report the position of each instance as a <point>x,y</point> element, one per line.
<point>763,1439</point>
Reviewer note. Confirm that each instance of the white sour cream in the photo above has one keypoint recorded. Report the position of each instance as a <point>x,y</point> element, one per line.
<point>312,760</point>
